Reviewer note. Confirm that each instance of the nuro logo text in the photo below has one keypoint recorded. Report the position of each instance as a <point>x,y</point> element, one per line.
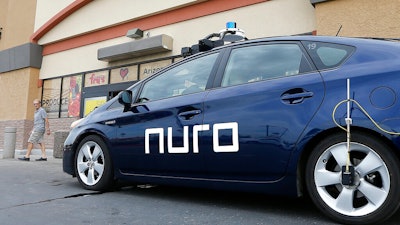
<point>233,126</point>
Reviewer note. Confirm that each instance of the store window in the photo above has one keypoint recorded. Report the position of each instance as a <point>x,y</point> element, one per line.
<point>78,95</point>
<point>51,97</point>
<point>71,90</point>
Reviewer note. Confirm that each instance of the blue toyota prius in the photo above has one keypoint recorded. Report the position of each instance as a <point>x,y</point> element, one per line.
<point>299,115</point>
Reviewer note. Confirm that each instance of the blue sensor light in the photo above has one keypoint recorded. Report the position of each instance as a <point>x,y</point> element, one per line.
<point>230,25</point>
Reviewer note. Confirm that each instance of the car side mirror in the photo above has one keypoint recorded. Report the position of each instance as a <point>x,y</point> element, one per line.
<point>125,99</point>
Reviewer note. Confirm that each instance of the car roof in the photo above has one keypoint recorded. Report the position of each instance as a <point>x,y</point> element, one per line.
<point>332,39</point>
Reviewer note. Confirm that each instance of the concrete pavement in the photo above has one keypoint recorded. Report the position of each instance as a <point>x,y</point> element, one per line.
<point>36,153</point>
<point>34,192</point>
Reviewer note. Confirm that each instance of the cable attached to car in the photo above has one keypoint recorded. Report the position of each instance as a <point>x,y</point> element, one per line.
<point>365,113</point>
<point>348,169</point>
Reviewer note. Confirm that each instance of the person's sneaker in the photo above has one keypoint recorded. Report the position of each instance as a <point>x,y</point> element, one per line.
<point>24,159</point>
<point>41,159</point>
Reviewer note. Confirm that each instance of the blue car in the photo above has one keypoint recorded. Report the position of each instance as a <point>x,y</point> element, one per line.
<point>296,116</point>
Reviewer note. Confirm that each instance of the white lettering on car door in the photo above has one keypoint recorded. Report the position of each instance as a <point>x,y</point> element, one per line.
<point>233,126</point>
<point>160,132</point>
<point>196,130</point>
<point>185,148</point>
<point>235,137</point>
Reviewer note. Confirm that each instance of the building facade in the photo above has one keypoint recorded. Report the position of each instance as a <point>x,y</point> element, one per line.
<point>91,50</point>
<point>20,62</point>
<point>358,18</point>
<point>76,54</point>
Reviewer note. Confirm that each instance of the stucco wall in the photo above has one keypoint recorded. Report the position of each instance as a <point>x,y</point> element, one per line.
<point>264,19</point>
<point>17,18</point>
<point>46,9</point>
<point>366,18</point>
<point>18,89</point>
<point>100,14</point>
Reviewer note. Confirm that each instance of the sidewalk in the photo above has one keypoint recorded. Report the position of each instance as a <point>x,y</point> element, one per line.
<point>35,154</point>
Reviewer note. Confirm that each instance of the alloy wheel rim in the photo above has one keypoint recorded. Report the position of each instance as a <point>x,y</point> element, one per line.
<point>372,179</point>
<point>90,163</point>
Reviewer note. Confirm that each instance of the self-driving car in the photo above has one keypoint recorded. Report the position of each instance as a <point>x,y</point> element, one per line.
<point>312,116</point>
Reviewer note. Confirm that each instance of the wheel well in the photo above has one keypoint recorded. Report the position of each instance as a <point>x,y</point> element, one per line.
<point>84,135</point>
<point>316,139</point>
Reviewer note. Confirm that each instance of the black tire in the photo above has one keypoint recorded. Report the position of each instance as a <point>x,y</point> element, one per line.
<point>374,196</point>
<point>93,166</point>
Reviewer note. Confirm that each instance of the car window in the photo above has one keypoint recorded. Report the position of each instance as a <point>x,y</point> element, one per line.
<point>186,78</point>
<point>262,62</point>
<point>328,55</point>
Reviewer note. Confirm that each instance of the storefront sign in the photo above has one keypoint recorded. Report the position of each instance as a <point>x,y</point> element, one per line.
<point>124,74</point>
<point>97,78</point>
<point>149,69</point>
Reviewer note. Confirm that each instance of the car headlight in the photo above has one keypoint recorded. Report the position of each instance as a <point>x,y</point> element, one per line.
<point>76,123</point>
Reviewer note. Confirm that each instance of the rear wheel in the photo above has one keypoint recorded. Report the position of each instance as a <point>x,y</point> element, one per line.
<point>372,197</point>
<point>93,164</point>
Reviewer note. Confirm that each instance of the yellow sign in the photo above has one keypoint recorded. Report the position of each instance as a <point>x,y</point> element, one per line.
<point>92,103</point>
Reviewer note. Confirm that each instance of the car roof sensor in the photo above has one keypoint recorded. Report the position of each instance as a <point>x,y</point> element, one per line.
<point>230,34</point>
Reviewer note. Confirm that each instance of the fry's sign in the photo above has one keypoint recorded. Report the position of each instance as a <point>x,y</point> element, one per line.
<point>97,79</point>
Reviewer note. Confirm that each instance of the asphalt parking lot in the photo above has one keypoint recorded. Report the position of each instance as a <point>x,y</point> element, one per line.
<point>41,193</point>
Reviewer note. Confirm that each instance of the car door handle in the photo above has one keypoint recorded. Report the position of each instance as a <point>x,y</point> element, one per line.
<point>189,114</point>
<point>296,96</point>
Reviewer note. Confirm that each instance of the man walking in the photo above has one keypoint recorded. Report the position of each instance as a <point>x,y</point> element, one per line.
<point>40,126</point>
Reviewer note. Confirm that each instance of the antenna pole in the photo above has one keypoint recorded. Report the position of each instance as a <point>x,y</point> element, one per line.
<point>339,30</point>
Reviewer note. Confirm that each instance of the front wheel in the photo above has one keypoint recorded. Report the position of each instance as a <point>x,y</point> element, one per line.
<point>373,194</point>
<point>93,164</point>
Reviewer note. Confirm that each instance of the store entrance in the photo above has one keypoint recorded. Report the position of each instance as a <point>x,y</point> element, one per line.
<point>93,97</point>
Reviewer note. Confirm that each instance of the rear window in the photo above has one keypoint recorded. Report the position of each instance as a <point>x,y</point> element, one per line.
<point>328,55</point>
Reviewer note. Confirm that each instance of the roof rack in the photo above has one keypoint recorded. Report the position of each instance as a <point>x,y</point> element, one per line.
<point>229,34</point>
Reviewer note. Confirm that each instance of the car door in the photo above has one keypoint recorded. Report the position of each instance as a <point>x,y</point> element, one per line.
<point>268,94</point>
<point>155,136</point>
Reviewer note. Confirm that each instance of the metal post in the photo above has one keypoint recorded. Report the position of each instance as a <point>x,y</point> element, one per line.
<point>9,142</point>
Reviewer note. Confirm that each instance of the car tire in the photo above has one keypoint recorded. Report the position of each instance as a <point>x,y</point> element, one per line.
<point>374,195</point>
<point>93,166</point>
